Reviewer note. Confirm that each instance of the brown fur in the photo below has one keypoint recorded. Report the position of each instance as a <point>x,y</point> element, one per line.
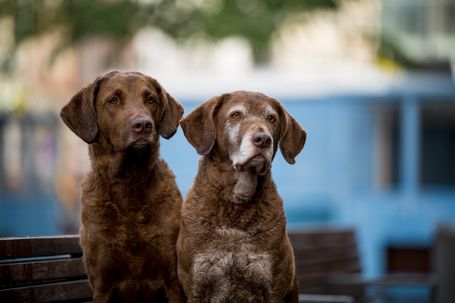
<point>233,245</point>
<point>130,201</point>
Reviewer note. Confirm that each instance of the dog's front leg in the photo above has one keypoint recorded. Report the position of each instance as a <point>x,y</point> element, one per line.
<point>175,293</point>
<point>293,295</point>
<point>103,296</point>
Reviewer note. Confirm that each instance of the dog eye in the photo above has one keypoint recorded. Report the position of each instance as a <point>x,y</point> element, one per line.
<point>113,100</point>
<point>236,114</point>
<point>271,118</point>
<point>150,99</point>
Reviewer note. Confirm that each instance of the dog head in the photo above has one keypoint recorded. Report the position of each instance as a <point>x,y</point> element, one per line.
<point>124,110</point>
<point>246,128</point>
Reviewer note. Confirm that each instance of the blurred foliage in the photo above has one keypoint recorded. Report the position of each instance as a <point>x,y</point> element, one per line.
<point>388,50</point>
<point>254,20</point>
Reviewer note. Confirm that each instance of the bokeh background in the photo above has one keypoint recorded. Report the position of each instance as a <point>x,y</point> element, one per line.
<point>371,81</point>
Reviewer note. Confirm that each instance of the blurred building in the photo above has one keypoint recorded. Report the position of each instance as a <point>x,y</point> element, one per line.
<point>381,139</point>
<point>421,30</point>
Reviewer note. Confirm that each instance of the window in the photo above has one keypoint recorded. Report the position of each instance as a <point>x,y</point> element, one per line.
<point>388,146</point>
<point>437,145</point>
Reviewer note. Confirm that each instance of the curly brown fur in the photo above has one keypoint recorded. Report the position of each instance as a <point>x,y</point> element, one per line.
<point>233,245</point>
<point>130,201</point>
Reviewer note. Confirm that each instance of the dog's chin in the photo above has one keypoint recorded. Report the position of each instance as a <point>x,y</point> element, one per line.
<point>140,145</point>
<point>258,165</point>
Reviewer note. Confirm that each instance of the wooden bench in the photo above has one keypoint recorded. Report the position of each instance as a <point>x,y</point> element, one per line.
<point>43,269</point>
<point>328,263</point>
<point>321,254</point>
<point>50,269</point>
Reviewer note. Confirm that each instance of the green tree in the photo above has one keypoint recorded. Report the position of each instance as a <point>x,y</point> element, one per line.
<point>255,20</point>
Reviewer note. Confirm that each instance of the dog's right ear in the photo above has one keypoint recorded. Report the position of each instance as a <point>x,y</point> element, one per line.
<point>199,126</point>
<point>79,114</point>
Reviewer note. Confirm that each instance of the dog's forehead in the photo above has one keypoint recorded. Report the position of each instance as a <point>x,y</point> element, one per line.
<point>250,103</point>
<point>126,81</point>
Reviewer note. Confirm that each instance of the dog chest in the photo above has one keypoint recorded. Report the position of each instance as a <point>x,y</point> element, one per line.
<point>251,266</point>
<point>232,265</point>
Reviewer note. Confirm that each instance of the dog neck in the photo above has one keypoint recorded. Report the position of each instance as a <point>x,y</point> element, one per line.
<point>126,164</point>
<point>128,175</point>
<point>245,187</point>
<point>236,187</point>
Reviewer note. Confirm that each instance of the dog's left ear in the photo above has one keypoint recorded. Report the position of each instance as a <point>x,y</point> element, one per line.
<point>171,113</point>
<point>292,138</point>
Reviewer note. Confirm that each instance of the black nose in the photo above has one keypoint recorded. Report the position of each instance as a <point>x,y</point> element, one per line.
<point>261,139</point>
<point>141,125</point>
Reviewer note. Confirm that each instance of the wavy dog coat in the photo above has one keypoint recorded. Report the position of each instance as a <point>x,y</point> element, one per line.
<point>233,245</point>
<point>130,201</point>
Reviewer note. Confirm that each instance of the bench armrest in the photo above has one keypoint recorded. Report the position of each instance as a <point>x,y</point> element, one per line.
<point>313,298</point>
<point>391,280</point>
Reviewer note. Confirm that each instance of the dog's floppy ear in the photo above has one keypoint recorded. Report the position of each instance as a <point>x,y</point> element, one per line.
<point>292,138</point>
<point>173,112</point>
<point>199,126</point>
<point>79,114</point>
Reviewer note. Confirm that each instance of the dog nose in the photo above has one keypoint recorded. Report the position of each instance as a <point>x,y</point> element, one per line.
<point>261,139</point>
<point>141,125</point>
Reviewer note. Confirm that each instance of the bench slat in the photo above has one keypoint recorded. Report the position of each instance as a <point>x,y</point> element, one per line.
<point>11,248</point>
<point>323,237</point>
<point>42,270</point>
<point>331,268</point>
<point>321,277</point>
<point>330,253</point>
<point>55,292</point>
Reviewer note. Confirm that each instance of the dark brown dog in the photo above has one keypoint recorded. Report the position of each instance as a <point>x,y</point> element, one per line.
<point>130,201</point>
<point>233,245</point>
